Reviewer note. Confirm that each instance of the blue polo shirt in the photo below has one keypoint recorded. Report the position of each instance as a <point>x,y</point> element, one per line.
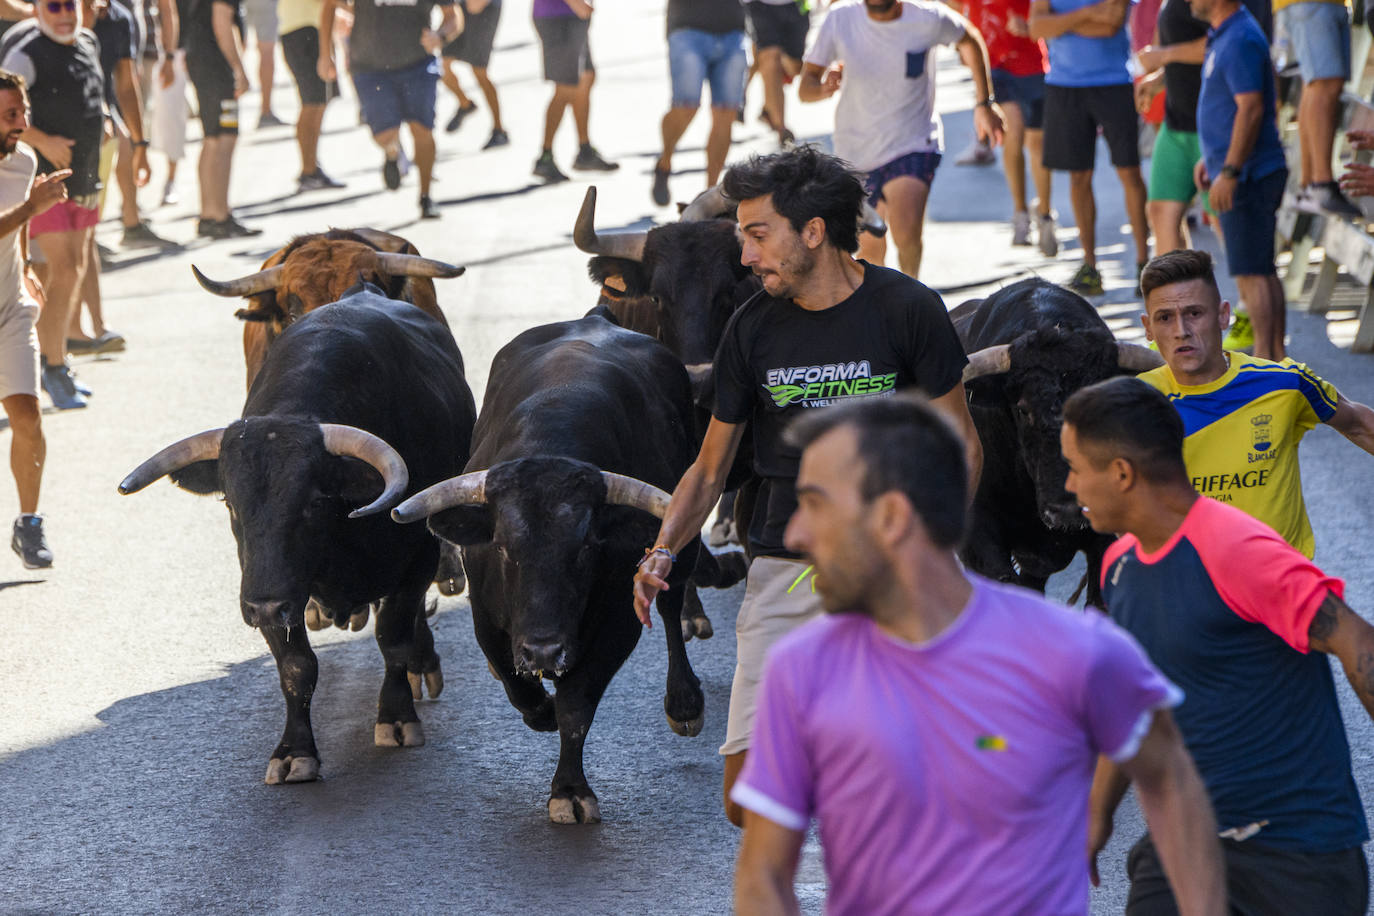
<point>1077,61</point>
<point>1237,61</point>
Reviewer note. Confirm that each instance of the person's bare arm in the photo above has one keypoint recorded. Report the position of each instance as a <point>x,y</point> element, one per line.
<point>1154,56</point>
<point>768,856</point>
<point>476,6</point>
<point>1339,631</point>
<point>324,67</point>
<point>693,499</point>
<point>1109,787</point>
<point>1244,132</point>
<point>581,8</point>
<point>55,149</point>
<point>1355,421</point>
<point>47,190</point>
<point>987,116</point>
<point>449,26</point>
<point>1098,20</point>
<point>1182,826</point>
<point>14,11</point>
<point>954,404</point>
<point>818,83</point>
<point>227,40</point>
<point>170,24</point>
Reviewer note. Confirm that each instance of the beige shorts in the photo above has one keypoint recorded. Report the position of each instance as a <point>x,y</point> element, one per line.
<point>778,598</point>
<point>18,349</point>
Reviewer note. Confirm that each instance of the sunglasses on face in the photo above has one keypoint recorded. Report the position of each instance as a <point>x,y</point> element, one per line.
<point>61,6</point>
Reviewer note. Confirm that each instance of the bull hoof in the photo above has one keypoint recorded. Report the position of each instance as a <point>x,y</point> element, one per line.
<point>701,624</point>
<point>292,769</point>
<point>398,734</point>
<point>689,729</point>
<point>359,618</point>
<point>433,682</point>
<point>576,810</point>
<point>316,618</point>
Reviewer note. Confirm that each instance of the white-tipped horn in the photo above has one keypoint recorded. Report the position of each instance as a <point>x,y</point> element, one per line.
<point>709,204</point>
<point>382,241</point>
<point>351,442</point>
<point>871,222</point>
<point>251,285</point>
<point>628,245</point>
<point>627,491</point>
<point>412,265</point>
<point>463,490</point>
<point>988,361</point>
<point>200,447</point>
<point>1135,358</point>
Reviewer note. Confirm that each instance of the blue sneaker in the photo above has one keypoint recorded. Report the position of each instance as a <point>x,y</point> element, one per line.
<point>60,385</point>
<point>28,541</point>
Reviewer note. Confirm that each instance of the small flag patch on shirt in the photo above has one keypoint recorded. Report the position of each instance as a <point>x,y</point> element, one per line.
<point>991,743</point>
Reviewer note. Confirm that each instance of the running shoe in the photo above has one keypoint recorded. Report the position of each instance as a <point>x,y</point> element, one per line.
<point>456,121</point>
<point>270,119</point>
<point>547,169</point>
<point>589,160</point>
<point>317,181</point>
<point>29,542</point>
<point>1049,242</point>
<point>429,209</point>
<point>660,189</point>
<point>1087,281</point>
<point>170,195</point>
<point>1325,199</point>
<point>978,153</point>
<point>1241,336</point>
<point>498,138</point>
<point>58,382</point>
<point>107,342</point>
<point>391,173</point>
<point>1020,228</point>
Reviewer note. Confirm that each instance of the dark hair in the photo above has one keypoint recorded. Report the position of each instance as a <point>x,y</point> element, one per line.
<point>16,82</point>
<point>904,445</point>
<point>805,183</point>
<point>1177,267</point>
<point>1124,417</point>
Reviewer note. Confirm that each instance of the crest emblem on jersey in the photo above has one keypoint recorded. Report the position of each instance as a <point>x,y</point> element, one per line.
<point>1262,439</point>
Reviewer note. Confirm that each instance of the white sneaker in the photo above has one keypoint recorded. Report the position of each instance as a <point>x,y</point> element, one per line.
<point>1020,228</point>
<point>978,153</point>
<point>404,162</point>
<point>1049,243</point>
<point>169,194</point>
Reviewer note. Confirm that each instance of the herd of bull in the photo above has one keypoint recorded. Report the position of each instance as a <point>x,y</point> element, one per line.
<point>362,407</point>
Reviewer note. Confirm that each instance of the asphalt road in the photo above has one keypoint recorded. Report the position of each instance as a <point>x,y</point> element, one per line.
<point>137,711</point>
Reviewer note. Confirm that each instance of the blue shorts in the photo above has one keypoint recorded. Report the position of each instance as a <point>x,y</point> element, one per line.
<point>1319,37</point>
<point>695,57</point>
<point>390,97</point>
<point>1026,91</point>
<point>1248,227</point>
<point>917,165</point>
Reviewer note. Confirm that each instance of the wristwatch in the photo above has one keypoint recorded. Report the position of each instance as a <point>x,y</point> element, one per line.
<point>989,101</point>
<point>1230,171</point>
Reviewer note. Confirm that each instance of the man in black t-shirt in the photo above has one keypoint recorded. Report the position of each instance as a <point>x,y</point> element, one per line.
<point>825,328</point>
<point>391,53</point>
<point>705,45</point>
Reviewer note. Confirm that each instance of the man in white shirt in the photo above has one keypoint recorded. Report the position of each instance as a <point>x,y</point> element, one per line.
<point>21,199</point>
<point>879,56</point>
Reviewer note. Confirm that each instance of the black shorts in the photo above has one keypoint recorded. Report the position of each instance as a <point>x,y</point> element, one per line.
<point>473,44</point>
<point>301,48</point>
<point>778,26</point>
<point>1072,116</point>
<point>214,85</point>
<point>567,53</point>
<point>1260,880</point>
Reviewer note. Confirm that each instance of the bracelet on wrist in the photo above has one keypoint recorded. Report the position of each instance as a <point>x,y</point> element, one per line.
<point>658,550</point>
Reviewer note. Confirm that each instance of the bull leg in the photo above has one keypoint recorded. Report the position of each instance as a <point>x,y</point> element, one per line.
<point>423,667</point>
<point>397,613</point>
<point>525,694</point>
<point>694,621</point>
<point>296,758</point>
<point>682,699</point>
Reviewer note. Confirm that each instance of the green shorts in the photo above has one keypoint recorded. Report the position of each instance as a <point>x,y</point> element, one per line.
<point>1175,154</point>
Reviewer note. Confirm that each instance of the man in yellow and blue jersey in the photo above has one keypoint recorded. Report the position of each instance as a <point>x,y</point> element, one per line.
<point>1243,416</point>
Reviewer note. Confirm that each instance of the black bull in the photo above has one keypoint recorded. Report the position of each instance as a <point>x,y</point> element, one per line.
<point>1032,345</point>
<point>388,378</point>
<point>551,539</point>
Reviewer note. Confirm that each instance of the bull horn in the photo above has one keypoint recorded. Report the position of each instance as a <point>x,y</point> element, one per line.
<point>200,447</point>
<point>871,222</point>
<point>988,361</point>
<point>628,245</point>
<point>251,285</point>
<point>627,491</point>
<point>709,204</point>
<point>463,490</point>
<point>412,265</point>
<point>1135,358</point>
<point>351,442</point>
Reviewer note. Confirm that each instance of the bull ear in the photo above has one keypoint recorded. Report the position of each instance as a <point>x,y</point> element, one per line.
<point>465,526</point>
<point>200,477</point>
<point>264,308</point>
<point>636,281</point>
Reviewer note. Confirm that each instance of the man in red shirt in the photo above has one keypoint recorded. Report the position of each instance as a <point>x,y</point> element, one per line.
<point>1018,83</point>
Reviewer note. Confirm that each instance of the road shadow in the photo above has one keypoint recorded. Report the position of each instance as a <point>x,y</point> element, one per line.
<point>18,582</point>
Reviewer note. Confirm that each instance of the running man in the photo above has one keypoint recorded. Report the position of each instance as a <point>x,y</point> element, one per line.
<point>473,47</point>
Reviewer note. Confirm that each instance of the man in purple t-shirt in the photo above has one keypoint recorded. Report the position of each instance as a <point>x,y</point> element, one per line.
<point>943,729</point>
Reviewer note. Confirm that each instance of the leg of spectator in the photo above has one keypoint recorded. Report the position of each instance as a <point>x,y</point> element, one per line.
<point>873,248</point>
<point>124,175</point>
<point>66,256</point>
<point>1166,219</point>
<point>674,125</point>
<point>734,763</point>
<point>718,143</point>
<point>423,139</point>
<point>489,93</point>
<point>267,51</point>
<point>1319,113</point>
<point>90,291</point>
<point>906,215</point>
<point>582,106</point>
<point>562,97</point>
<point>448,75</point>
<point>308,136</point>
<point>216,159</point>
<point>1035,152</point>
<point>769,63</point>
<point>1263,297</point>
<point>1134,185</point>
<point>1013,160</point>
<point>1084,213</point>
<point>28,449</point>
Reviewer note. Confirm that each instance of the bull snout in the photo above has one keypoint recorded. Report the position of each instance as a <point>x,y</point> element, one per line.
<point>272,612</point>
<point>542,659</point>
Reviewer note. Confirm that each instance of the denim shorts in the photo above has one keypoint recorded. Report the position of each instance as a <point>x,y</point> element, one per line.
<point>1319,37</point>
<point>1248,227</point>
<point>696,57</point>
<point>1026,91</point>
<point>917,165</point>
<point>390,97</point>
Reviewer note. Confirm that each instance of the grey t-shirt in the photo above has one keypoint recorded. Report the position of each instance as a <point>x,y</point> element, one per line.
<point>386,33</point>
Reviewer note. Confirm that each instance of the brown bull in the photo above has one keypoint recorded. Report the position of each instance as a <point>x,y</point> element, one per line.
<point>315,270</point>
